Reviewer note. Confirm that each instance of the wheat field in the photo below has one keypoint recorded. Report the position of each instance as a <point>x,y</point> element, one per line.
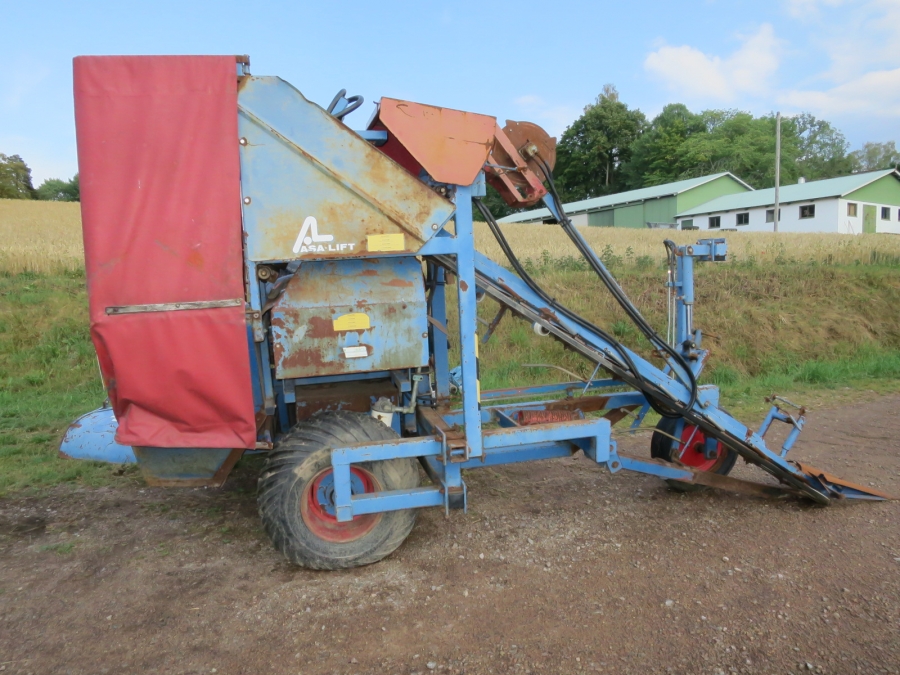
<point>45,238</point>
<point>42,237</point>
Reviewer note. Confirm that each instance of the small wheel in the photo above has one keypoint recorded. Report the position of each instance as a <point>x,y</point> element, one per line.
<point>296,495</point>
<point>690,452</point>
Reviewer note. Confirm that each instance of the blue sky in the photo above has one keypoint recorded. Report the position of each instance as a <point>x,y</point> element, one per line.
<point>525,60</point>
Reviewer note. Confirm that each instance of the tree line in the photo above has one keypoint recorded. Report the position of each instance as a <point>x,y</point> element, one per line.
<point>612,148</point>
<point>15,183</point>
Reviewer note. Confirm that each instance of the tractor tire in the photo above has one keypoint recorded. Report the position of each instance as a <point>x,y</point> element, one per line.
<point>295,493</point>
<point>693,456</point>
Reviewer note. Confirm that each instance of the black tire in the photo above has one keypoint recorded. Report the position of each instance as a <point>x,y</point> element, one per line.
<point>661,448</point>
<point>293,519</point>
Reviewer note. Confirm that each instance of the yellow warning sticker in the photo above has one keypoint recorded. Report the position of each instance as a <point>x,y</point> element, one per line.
<point>354,321</point>
<point>386,242</point>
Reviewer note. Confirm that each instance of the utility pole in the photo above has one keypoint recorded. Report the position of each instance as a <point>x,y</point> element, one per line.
<point>777,166</point>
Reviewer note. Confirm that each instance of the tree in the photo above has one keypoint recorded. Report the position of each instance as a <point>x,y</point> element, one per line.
<point>591,152</point>
<point>872,156</point>
<point>822,149</point>
<point>736,141</point>
<point>15,178</point>
<point>654,152</point>
<point>56,190</point>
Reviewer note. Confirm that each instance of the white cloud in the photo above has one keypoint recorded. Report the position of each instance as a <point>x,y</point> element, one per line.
<point>857,43</point>
<point>865,38</point>
<point>876,93</point>
<point>802,9</point>
<point>553,117</point>
<point>863,76</point>
<point>696,75</point>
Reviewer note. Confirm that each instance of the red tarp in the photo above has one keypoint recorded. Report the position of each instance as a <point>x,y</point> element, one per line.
<point>160,204</point>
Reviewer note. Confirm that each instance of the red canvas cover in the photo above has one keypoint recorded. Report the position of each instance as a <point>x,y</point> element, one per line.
<point>160,204</point>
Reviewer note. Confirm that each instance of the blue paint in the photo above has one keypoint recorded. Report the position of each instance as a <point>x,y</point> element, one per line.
<point>93,436</point>
<point>387,295</point>
<point>468,320</point>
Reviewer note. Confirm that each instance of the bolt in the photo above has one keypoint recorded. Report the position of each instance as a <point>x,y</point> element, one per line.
<point>243,141</point>
<point>434,226</point>
<point>247,200</point>
<point>425,335</point>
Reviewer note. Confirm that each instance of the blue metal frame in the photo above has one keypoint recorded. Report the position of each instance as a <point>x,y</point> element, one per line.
<point>299,163</point>
<point>470,445</point>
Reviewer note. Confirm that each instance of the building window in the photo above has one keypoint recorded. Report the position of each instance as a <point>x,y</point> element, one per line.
<point>715,222</point>
<point>885,212</point>
<point>770,215</point>
<point>687,224</point>
<point>807,211</point>
<point>851,209</point>
<point>743,219</point>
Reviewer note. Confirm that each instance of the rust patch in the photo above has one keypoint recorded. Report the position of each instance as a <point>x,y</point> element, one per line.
<point>320,328</point>
<point>532,417</point>
<point>369,273</point>
<point>463,285</point>
<point>304,358</point>
<point>399,283</point>
<point>584,403</point>
<point>195,259</point>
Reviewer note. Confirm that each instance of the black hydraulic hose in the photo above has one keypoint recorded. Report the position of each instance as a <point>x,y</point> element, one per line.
<point>534,286</point>
<point>622,299</point>
<point>629,366</point>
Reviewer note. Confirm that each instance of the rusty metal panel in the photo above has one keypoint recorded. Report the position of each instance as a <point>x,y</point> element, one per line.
<point>351,316</point>
<point>186,467</point>
<point>451,145</point>
<point>313,189</point>
<point>355,396</point>
<point>531,417</point>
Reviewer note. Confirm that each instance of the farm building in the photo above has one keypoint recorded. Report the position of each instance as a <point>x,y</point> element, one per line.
<point>863,202</point>
<point>656,205</point>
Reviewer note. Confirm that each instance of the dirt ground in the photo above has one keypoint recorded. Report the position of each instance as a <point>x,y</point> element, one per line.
<point>558,568</point>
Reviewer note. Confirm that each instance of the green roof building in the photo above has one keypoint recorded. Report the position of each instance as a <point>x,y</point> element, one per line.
<point>648,207</point>
<point>860,203</point>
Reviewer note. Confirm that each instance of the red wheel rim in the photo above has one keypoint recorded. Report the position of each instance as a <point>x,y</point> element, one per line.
<point>318,511</point>
<point>690,451</point>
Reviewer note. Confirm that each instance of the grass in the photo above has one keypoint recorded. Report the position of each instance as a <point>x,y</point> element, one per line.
<point>806,316</point>
<point>48,376</point>
<point>817,334</point>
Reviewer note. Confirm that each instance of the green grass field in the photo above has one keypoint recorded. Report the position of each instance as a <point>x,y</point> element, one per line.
<point>818,334</point>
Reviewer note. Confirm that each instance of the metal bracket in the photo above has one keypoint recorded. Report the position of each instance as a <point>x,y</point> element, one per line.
<point>174,306</point>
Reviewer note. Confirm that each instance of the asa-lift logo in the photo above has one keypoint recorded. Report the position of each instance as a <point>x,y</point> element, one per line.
<point>310,241</point>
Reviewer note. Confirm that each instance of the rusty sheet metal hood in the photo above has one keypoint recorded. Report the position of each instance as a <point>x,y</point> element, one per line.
<point>312,188</point>
<point>451,145</point>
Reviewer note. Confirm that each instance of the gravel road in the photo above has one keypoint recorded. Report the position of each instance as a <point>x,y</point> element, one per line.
<point>559,567</point>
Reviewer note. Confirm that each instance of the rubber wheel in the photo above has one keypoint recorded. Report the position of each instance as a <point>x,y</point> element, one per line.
<point>692,456</point>
<point>295,495</point>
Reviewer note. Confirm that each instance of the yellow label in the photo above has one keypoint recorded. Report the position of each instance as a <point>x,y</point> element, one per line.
<point>386,242</point>
<point>355,321</point>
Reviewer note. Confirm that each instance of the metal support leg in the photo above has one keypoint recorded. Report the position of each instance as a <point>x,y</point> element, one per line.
<point>468,320</point>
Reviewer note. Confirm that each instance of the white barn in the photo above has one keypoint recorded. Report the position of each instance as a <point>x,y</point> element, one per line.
<point>860,203</point>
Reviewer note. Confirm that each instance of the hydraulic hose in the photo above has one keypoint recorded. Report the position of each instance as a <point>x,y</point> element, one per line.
<point>665,409</point>
<point>624,301</point>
